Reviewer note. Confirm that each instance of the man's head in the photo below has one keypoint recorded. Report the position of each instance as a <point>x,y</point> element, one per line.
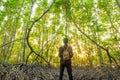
<point>65,40</point>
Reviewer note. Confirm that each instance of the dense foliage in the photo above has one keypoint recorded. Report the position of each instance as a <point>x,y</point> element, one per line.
<point>31,31</point>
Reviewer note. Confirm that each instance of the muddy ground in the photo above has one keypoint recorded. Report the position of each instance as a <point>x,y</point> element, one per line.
<point>37,72</point>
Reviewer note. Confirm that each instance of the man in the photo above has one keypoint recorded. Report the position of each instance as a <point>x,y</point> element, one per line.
<point>65,63</point>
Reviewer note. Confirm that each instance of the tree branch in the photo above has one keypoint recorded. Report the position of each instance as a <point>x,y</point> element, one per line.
<point>11,42</point>
<point>106,49</point>
<point>29,30</point>
<point>87,35</point>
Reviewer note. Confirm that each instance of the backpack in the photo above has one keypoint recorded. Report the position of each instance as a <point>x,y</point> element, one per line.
<point>66,55</point>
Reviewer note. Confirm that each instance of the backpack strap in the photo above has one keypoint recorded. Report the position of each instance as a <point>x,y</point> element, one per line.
<point>66,48</point>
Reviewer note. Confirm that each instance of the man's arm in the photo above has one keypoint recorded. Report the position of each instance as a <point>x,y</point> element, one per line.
<point>60,52</point>
<point>71,52</point>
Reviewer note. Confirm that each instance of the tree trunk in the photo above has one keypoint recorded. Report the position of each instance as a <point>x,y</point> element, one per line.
<point>118,2</point>
<point>4,49</point>
<point>14,32</point>
<point>25,34</point>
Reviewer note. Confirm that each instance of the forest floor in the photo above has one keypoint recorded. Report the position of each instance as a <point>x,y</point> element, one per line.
<point>35,72</point>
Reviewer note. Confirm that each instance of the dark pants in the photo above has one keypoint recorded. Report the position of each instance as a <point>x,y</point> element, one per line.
<point>69,70</point>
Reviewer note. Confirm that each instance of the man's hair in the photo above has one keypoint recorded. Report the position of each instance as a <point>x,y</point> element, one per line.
<point>65,40</point>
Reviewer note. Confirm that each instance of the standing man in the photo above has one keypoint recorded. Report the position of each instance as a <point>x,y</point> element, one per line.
<point>65,54</point>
